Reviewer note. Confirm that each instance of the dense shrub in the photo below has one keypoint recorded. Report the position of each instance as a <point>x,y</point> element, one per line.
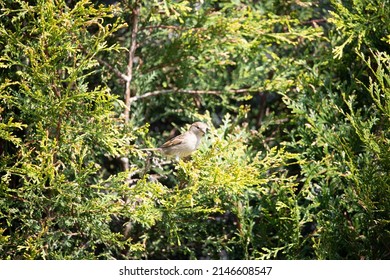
<point>296,164</point>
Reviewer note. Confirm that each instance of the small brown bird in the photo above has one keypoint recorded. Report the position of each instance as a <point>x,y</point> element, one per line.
<point>184,144</point>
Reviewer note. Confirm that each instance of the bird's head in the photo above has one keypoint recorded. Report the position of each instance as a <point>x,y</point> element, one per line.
<point>199,128</point>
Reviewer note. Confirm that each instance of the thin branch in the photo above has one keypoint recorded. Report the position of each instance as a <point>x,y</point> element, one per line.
<point>133,48</point>
<point>174,27</point>
<point>187,91</point>
<point>113,69</point>
<point>105,63</point>
<point>129,75</point>
<point>314,21</point>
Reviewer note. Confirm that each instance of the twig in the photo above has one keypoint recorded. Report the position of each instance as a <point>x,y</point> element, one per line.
<point>113,69</point>
<point>133,48</point>
<point>314,21</point>
<point>174,27</point>
<point>129,76</point>
<point>187,91</point>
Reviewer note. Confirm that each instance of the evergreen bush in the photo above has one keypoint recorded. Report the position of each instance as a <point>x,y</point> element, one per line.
<point>296,164</point>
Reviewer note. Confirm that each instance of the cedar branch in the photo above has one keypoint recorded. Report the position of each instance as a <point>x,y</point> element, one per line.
<point>186,91</point>
<point>174,27</point>
<point>113,69</point>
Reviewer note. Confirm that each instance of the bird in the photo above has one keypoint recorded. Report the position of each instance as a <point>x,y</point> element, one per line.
<point>184,144</point>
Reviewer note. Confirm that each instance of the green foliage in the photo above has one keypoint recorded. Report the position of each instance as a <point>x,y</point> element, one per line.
<point>228,199</point>
<point>49,206</point>
<point>362,23</point>
<point>341,130</point>
<point>296,165</point>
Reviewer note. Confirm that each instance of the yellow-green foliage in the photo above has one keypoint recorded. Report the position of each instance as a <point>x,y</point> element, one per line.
<point>223,181</point>
<point>296,164</point>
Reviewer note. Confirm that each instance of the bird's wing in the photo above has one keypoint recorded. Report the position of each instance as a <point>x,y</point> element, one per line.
<point>173,142</point>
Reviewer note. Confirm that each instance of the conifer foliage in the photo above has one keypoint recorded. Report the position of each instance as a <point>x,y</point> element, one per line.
<point>295,166</point>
